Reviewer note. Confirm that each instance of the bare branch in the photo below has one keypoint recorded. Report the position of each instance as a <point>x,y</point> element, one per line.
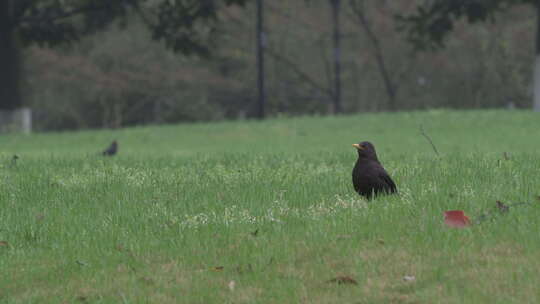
<point>303,75</point>
<point>429,140</point>
<point>291,64</point>
<point>145,19</point>
<point>391,87</point>
<point>325,61</point>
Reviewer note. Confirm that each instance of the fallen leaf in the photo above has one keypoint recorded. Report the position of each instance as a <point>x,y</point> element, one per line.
<point>218,268</point>
<point>232,284</point>
<point>82,298</point>
<point>502,207</point>
<point>343,280</point>
<point>81,263</point>
<point>4,244</point>
<point>380,241</point>
<point>456,219</point>
<point>409,278</point>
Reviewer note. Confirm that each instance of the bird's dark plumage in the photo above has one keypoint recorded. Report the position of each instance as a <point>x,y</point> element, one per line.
<point>112,149</point>
<point>368,176</point>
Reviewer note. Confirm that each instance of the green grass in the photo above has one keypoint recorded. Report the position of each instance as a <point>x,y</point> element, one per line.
<point>152,224</point>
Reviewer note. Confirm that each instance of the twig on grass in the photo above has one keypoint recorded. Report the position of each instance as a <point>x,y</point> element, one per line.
<point>429,140</point>
<point>500,208</point>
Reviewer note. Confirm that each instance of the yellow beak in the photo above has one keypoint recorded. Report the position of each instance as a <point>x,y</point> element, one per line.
<point>357,146</point>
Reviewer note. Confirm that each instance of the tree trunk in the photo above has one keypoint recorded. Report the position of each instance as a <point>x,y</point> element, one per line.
<point>10,97</point>
<point>536,76</point>
<point>260,61</point>
<point>336,4</point>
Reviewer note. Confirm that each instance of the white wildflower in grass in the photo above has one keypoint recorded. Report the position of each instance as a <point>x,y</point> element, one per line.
<point>282,208</point>
<point>271,217</point>
<point>467,191</point>
<point>194,221</point>
<point>405,195</point>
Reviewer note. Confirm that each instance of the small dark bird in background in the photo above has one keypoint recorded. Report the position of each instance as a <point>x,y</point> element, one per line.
<point>14,160</point>
<point>502,207</point>
<point>368,176</point>
<point>112,149</point>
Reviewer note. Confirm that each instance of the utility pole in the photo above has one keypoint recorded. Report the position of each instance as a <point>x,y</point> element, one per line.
<point>336,4</point>
<point>261,43</point>
<point>536,76</point>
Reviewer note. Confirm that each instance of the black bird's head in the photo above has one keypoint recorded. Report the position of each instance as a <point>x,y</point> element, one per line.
<point>366,150</point>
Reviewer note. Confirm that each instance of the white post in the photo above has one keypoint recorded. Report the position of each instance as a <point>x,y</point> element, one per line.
<point>26,120</point>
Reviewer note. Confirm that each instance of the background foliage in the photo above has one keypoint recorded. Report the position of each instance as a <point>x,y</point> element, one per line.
<point>118,78</point>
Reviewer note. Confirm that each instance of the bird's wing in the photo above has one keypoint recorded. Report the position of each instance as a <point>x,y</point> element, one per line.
<point>388,181</point>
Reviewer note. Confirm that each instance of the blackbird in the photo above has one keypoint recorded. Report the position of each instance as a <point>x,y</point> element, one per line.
<point>368,176</point>
<point>14,161</point>
<point>111,150</point>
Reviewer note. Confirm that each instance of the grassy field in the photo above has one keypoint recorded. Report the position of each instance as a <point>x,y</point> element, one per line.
<point>264,212</point>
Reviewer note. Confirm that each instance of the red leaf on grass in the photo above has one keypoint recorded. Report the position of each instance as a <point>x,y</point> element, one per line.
<point>456,219</point>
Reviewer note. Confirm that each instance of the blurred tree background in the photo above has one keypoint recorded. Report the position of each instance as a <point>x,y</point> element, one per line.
<point>120,73</point>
